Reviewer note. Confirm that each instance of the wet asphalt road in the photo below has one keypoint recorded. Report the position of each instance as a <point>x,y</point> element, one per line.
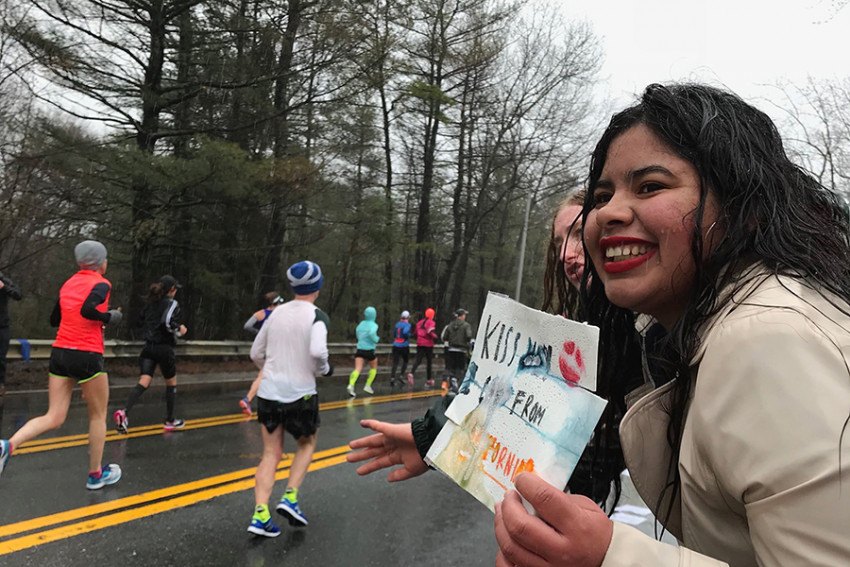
<point>353,520</point>
<point>173,505</point>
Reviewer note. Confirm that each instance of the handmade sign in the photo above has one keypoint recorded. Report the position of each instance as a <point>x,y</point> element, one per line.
<point>524,404</point>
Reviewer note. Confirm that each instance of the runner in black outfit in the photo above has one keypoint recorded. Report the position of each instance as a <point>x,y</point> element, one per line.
<point>7,289</point>
<point>161,321</point>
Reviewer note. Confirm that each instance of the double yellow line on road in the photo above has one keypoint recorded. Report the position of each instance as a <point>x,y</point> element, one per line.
<point>122,510</point>
<point>53,443</point>
<point>78,521</point>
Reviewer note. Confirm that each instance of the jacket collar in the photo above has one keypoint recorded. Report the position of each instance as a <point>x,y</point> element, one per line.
<point>643,430</point>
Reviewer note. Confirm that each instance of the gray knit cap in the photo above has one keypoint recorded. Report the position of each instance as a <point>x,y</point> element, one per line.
<point>90,254</point>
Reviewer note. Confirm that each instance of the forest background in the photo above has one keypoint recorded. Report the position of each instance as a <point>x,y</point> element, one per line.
<point>416,149</point>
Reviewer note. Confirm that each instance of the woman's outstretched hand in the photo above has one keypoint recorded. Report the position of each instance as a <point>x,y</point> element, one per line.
<point>392,444</point>
<point>568,529</point>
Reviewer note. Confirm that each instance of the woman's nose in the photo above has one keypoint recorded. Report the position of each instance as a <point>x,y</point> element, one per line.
<point>617,211</point>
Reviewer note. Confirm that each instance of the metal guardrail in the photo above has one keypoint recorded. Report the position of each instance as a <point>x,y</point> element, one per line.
<point>40,349</point>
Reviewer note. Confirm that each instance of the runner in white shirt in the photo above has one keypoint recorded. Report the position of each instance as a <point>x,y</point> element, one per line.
<point>291,349</point>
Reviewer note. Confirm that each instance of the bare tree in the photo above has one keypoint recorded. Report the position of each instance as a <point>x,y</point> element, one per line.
<point>817,130</point>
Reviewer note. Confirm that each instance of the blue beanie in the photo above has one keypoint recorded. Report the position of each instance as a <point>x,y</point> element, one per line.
<point>305,277</point>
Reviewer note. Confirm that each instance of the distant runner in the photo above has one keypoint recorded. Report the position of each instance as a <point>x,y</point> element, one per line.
<point>291,348</point>
<point>401,347</point>
<point>426,335</point>
<point>161,322</point>
<point>253,326</point>
<point>367,341</point>
<point>77,358</point>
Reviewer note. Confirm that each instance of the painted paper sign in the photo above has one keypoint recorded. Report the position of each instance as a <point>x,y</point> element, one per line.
<point>524,404</point>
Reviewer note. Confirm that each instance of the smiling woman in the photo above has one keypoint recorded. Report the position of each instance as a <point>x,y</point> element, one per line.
<point>697,219</point>
<point>639,231</point>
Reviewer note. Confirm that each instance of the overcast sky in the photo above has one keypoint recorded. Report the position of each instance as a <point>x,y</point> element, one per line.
<point>742,44</point>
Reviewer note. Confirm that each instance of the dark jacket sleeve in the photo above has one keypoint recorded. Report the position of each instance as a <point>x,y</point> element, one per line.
<point>56,315</point>
<point>10,288</point>
<point>426,428</point>
<point>96,297</point>
<point>171,317</point>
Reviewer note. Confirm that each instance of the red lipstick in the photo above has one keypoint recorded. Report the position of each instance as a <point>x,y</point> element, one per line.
<point>631,263</point>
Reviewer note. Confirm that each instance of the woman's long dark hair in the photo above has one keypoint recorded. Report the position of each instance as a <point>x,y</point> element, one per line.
<point>559,297</point>
<point>770,211</point>
<point>156,291</point>
<point>601,463</point>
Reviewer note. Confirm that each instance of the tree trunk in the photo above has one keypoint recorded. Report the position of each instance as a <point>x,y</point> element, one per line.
<point>142,214</point>
<point>280,132</point>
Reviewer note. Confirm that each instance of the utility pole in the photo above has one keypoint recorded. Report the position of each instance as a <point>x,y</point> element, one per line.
<point>521,262</point>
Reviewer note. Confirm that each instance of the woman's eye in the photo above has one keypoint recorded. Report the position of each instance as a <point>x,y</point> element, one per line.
<point>600,198</point>
<point>650,187</point>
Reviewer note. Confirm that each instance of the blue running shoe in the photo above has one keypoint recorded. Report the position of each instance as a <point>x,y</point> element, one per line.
<point>109,474</point>
<point>5,453</point>
<point>292,512</point>
<point>266,529</point>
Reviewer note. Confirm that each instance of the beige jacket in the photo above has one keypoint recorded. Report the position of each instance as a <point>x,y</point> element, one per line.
<point>762,443</point>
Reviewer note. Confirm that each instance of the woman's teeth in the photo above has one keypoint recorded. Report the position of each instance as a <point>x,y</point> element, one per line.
<point>620,253</point>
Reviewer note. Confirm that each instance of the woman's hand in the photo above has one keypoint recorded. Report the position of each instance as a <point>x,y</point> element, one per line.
<point>568,530</point>
<point>391,445</point>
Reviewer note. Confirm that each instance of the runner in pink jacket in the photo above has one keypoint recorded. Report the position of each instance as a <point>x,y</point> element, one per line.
<point>425,332</point>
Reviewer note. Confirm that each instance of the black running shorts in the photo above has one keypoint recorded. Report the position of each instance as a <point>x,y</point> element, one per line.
<point>154,355</point>
<point>80,365</point>
<point>368,355</point>
<point>299,418</point>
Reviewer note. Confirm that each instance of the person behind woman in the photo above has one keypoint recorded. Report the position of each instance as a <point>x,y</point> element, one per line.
<point>564,258</point>
<point>367,340</point>
<point>599,467</point>
<point>77,357</point>
<point>253,326</point>
<point>426,335</point>
<point>160,320</point>
<point>401,347</point>
<point>698,218</point>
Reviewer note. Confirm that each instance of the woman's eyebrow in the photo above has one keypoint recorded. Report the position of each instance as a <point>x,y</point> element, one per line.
<point>603,184</point>
<point>635,173</point>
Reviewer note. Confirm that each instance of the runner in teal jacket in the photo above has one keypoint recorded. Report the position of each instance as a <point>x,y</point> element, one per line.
<point>367,340</point>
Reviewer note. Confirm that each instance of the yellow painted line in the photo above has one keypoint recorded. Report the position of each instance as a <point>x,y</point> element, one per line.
<point>101,522</point>
<point>110,434</point>
<point>146,497</point>
<point>53,443</point>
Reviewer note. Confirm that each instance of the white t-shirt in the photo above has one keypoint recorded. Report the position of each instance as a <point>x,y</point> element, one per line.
<point>291,348</point>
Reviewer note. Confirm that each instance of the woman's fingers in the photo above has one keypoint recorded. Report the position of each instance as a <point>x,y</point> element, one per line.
<point>527,530</point>
<point>376,440</point>
<point>375,465</point>
<point>366,454</point>
<point>398,475</point>
<point>375,425</point>
<point>502,562</point>
<point>510,547</point>
<point>579,531</point>
<point>552,505</point>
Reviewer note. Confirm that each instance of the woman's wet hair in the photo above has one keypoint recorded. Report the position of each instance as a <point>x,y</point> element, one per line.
<point>558,295</point>
<point>272,298</point>
<point>156,291</point>
<point>771,211</point>
<point>599,467</point>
